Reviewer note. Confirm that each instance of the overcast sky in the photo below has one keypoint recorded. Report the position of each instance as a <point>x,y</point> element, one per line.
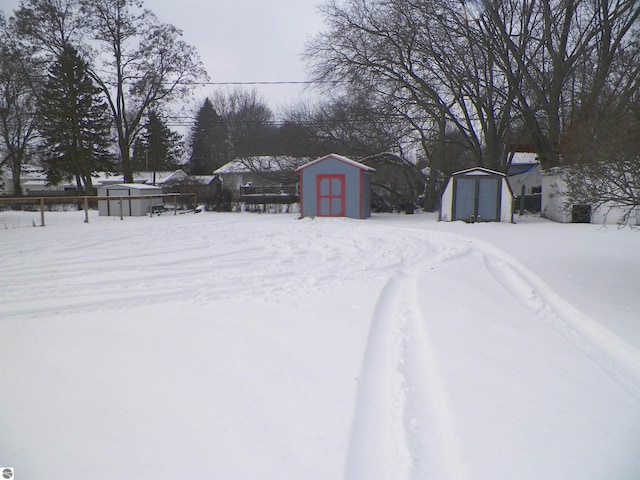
<point>243,40</point>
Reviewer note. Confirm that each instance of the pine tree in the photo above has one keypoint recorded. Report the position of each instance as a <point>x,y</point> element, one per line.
<point>158,147</point>
<point>209,148</point>
<point>75,124</point>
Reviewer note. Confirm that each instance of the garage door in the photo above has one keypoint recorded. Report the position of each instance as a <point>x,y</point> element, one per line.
<point>330,191</point>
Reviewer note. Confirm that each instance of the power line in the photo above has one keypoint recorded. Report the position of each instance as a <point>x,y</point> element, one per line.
<point>276,82</point>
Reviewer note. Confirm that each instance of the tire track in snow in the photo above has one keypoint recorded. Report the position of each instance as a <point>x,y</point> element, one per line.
<point>431,431</point>
<point>616,358</point>
<point>403,425</point>
<point>377,424</point>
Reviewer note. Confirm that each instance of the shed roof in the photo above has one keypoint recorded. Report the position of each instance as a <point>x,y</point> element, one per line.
<point>339,158</point>
<point>482,170</point>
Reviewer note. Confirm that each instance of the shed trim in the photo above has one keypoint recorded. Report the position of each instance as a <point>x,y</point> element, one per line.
<point>478,169</point>
<point>339,158</point>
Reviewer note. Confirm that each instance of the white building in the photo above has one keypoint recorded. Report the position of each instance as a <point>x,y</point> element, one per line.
<point>556,207</point>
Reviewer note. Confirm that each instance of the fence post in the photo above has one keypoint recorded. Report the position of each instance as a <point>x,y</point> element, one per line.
<point>121,212</point>
<point>86,210</point>
<point>175,204</point>
<point>42,211</point>
<point>522,191</point>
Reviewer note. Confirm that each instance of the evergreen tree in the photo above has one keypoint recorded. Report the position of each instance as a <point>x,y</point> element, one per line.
<point>75,123</point>
<point>158,147</point>
<point>209,149</point>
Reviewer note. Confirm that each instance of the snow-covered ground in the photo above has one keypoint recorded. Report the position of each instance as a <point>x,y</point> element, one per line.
<point>247,346</point>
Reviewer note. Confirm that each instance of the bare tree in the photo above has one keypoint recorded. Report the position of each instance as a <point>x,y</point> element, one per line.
<point>49,26</point>
<point>601,163</point>
<point>137,61</point>
<point>353,124</point>
<point>562,55</point>
<point>140,62</point>
<point>249,120</point>
<point>19,83</point>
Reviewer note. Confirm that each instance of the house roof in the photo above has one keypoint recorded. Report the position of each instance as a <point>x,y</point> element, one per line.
<point>521,168</point>
<point>524,157</point>
<point>203,179</point>
<point>261,164</point>
<point>339,158</point>
<point>161,177</point>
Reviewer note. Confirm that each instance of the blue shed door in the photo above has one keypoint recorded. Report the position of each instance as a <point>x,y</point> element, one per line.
<point>330,192</point>
<point>465,199</point>
<point>477,199</point>
<point>488,196</point>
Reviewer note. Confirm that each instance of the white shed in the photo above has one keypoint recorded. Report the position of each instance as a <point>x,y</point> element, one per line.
<point>121,205</point>
<point>477,195</point>
<point>556,206</point>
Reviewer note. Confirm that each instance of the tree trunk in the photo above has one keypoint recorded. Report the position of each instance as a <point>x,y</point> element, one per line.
<point>16,170</point>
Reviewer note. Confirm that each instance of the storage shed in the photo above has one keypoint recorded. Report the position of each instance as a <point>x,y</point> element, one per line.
<point>335,186</point>
<point>477,195</point>
<point>131,207</point>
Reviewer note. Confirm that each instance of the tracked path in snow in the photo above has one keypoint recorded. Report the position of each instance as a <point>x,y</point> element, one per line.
<point>416,437</point>
<point>419,434</point>
<point>616,358</point>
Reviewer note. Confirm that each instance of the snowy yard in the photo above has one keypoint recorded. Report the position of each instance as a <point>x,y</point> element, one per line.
<point>247,346</point>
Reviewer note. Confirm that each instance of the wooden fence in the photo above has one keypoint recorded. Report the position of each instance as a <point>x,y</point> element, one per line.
<point>42,201</point>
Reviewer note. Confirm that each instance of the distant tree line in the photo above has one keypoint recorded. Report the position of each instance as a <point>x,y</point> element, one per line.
<point>240,124</point>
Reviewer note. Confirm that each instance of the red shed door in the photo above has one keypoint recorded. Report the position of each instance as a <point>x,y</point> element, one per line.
<point>330,195</point>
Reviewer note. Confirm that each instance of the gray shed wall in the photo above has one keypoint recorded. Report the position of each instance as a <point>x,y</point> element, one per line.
<point>130,207</point>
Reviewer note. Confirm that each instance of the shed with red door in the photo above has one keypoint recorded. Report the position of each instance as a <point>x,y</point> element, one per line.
<point>335,186</point>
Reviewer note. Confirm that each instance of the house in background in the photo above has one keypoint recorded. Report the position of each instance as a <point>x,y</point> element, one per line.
<point>262,182</point>
<point>477,195</point>
<point>33,181</point>
<point>335,186</point>
<point>524,175</point>
<point>259,171</point>
<point>207,188</point>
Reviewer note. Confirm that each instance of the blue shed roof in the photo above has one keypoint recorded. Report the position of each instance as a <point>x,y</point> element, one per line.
<point>339,158</point>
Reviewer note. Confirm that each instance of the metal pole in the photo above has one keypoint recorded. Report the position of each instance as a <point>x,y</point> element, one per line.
<point>42,211</point>
<point>86,210</point>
